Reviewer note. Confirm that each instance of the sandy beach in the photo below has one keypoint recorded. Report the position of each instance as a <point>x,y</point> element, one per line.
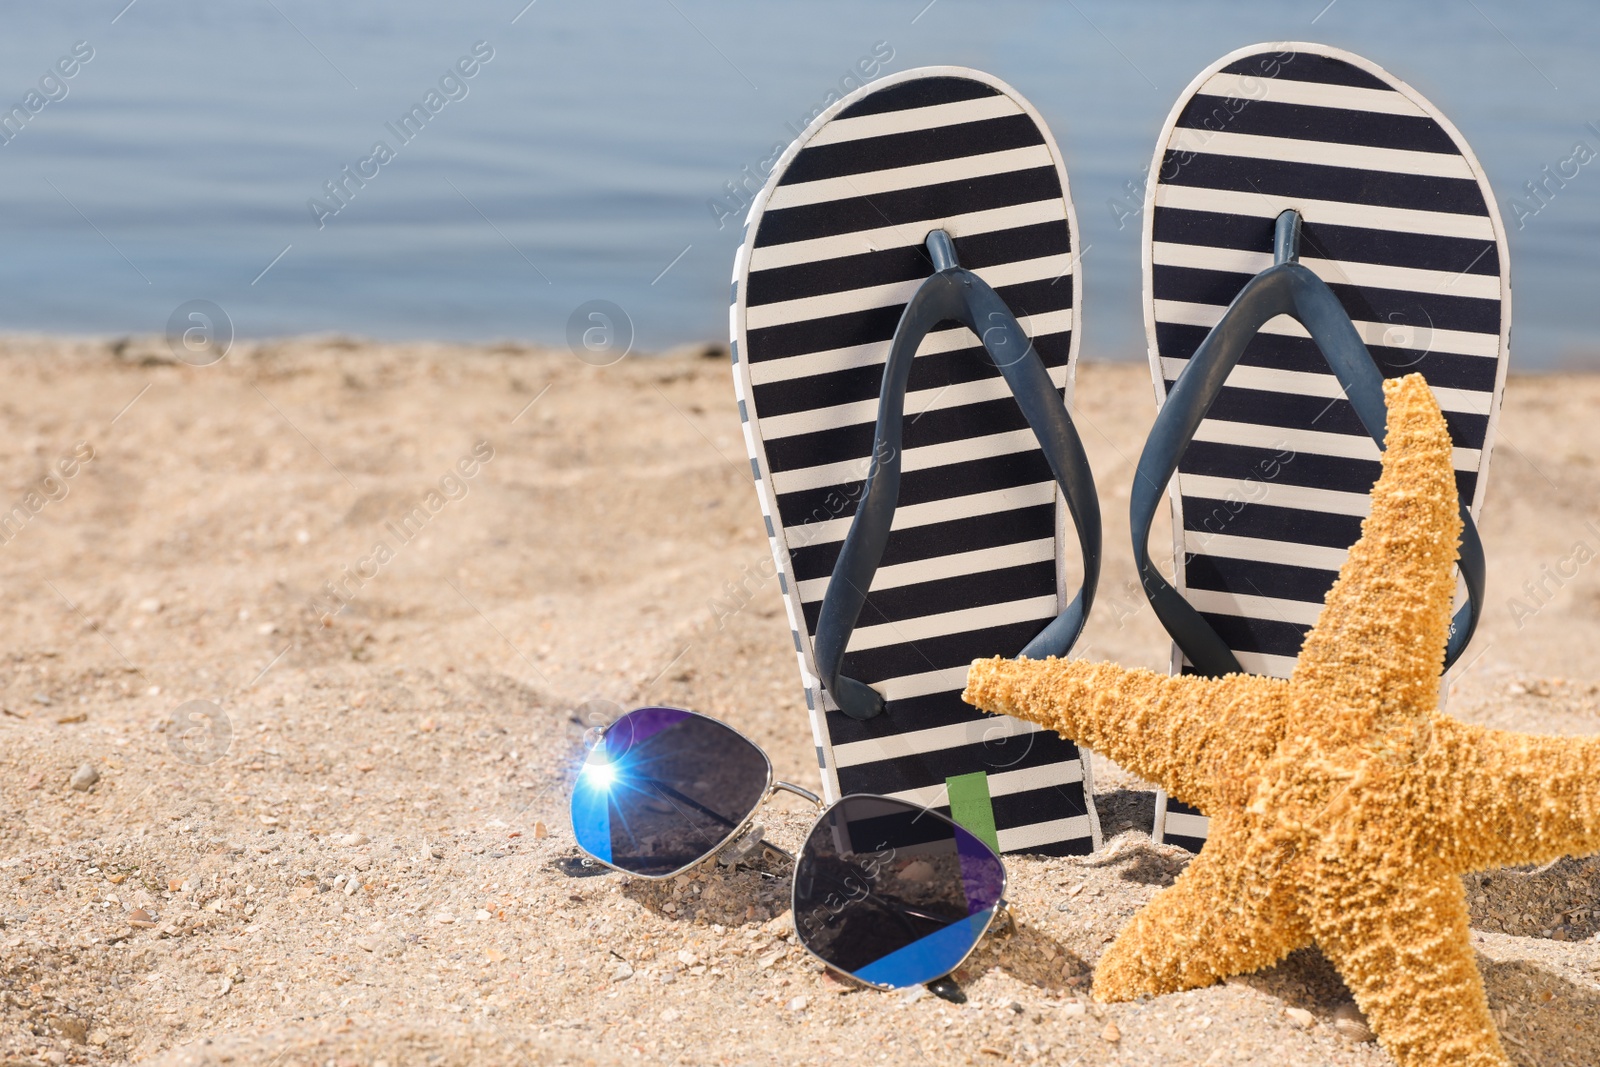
<point>326,623</point>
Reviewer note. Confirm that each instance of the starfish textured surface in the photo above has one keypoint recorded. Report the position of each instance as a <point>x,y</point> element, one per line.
<point>1344,805</point>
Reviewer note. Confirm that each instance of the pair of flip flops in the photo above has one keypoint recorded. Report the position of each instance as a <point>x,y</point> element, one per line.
<point>905,322</point>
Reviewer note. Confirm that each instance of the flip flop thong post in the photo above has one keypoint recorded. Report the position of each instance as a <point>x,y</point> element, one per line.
<point>1313,225</point>
<point>904,323</point>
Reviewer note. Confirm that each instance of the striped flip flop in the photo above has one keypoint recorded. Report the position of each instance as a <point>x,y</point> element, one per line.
<point>917,476</point>
<point>1312,226</point>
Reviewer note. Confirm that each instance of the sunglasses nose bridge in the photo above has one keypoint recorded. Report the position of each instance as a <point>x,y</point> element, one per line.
<point>799,791</point>
<point>752,835</point>
<point>750,839</point>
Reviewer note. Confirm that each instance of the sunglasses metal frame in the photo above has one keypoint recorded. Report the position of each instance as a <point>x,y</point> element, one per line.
<point>772,787</point>
<point>1001,906</point>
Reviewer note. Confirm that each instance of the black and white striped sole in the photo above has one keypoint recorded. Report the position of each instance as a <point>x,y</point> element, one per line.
<point>1399,219</point>
<point>833,250</point>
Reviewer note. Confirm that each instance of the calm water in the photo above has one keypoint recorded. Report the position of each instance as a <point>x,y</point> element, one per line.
<point>581,158</point>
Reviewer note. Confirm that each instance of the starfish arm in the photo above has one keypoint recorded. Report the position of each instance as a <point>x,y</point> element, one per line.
<point>1378,646</point>
<point>1197,737</point>
<point>1501,798</point>
<point>1403,947</point>
<point>1225,915</point>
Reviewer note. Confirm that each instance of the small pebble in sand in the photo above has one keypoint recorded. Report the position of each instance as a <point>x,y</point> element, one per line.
<point>149,605</point>
<point>84,778</point>
<point>540,831</point>
<point>671,1015</point>
<point>481,915</point>
<point>798,1004</point>
<point>444,917</point>
<point>142,919</point>
<point>1301,1018</point>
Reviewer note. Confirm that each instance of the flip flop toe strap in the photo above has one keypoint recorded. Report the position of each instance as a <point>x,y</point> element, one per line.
<point>953,294</point>
<point>1285,288</point>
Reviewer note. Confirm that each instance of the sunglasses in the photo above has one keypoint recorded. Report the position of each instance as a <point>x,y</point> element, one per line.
<point>893,894</point>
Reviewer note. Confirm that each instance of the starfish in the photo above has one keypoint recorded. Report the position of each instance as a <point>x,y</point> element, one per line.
<point>1344,804</point>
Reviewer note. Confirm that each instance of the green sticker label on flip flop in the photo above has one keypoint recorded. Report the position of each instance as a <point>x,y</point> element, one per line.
<point>971,807</point>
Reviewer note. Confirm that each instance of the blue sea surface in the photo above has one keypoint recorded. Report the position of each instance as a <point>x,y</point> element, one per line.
<point>586,155</point>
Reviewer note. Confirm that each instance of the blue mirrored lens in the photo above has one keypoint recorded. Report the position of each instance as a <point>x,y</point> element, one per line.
<point>663,789</point>
<point>893,893</point>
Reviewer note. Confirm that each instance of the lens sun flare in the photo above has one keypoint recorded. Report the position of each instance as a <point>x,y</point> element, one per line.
<point>599,774</point>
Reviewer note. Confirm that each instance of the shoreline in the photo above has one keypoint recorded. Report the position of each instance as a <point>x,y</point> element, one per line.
<point>154,350</point>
